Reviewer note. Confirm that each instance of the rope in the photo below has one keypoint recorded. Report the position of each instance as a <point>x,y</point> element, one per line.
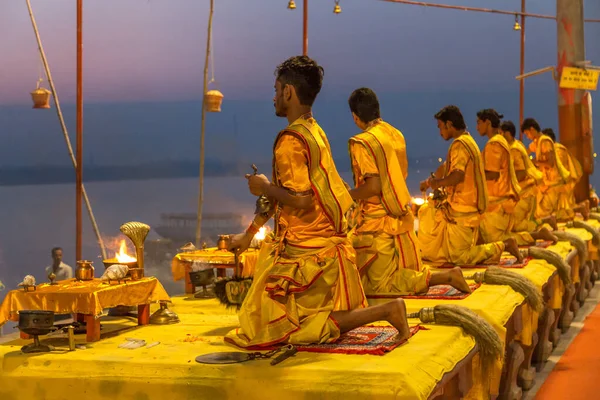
<point>64,129</point>
<point>212,57</point>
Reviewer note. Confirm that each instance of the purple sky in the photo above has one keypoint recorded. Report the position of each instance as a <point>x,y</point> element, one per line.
<point>154,49</point>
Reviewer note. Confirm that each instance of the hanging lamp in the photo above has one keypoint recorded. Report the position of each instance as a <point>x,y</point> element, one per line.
<point>517,26</point>
<point>212,98</point>
<point>291,5</point>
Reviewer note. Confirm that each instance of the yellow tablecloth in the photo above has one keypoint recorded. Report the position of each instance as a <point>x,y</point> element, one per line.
<point>213,256</point>
<point>87,297</point>
<point>168,371</point>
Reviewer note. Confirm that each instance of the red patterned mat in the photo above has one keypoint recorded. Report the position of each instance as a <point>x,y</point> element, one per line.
<point>439,292</point>
<point>373,340</point>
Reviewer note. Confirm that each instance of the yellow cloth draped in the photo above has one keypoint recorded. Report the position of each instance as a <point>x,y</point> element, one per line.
<point>524,213</point>
<point>410,372</point>
<point>498,221</point>
<point>448,232</point>
<point>83,297</point>
<point>309,271</point>
<point>212,256</point>
<point>383,146</point>
<point>566,197</point>
<point>554,177</point>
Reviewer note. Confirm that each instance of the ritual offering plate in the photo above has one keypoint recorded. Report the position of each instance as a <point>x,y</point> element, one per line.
<point>230,357</point>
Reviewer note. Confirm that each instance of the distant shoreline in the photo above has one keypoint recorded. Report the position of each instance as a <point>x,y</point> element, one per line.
<point>54,175</point>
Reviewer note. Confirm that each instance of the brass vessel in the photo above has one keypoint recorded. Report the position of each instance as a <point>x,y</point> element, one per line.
<point>84,271</point>
<point>164,316</point>
<point>223,242</point>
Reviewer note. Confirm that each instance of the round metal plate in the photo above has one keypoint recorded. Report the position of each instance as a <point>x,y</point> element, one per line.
<point>223,358</point>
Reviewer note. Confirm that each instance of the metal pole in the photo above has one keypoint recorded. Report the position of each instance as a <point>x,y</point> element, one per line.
<point>305,29</point>
<point>522,69</point>
<point>79,137</point>
<point>571,49</point>
<point>201,178</point>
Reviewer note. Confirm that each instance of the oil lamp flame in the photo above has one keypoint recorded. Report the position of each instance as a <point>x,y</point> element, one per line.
<point>122,255</point>
<point>261,234</point>
<point>418,201</point>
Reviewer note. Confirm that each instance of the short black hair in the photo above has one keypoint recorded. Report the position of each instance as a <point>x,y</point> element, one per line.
<point>451,113</point>
<point>508,126</point>
<point>530,123</point>
<point>489,114</point>
<point>54,250</point>
<point>304,74</point>
<point>550,133</point>
<point>364,103</point>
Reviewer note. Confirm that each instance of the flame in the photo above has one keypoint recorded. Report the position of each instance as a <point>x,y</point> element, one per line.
<point>261,234</point>
<point>122,255</point>
<point>418,201</point>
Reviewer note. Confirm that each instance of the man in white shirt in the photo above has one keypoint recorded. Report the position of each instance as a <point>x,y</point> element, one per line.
<point>60,269</point>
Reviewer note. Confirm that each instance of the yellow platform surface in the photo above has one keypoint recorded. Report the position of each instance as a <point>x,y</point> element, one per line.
<point>169,371</point>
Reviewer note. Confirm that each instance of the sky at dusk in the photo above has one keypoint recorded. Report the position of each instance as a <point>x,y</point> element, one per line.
<point>417,59</point>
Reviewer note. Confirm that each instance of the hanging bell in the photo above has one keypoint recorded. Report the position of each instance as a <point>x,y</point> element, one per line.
<point>291,5</point>
<point>213,100</point>
<point>517,26</point>
<point>40,97</point>
<point>337,9</point>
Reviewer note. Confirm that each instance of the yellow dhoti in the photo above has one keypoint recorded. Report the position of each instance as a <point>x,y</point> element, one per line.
<point>524,215</point>
<point>381,259</point>
<point>442,241</point>
<point>498,225</point>
<point>546,202</point>
<point>294,293</point>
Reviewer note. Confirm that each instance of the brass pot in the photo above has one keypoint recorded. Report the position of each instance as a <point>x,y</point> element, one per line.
<point>223,242</point>
<point>136,273</point>
<point>84,271</point>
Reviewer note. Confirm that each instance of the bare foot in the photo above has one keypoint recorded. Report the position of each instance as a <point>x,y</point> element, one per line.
<point>457,280</point>
<point>510,245</point>
<point>585,210</point>
<point>396,315</point>
<point>545,234</point>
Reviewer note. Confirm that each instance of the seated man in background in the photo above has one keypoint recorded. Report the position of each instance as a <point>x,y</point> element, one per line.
<point>387,249</point>
<point>449,226</point>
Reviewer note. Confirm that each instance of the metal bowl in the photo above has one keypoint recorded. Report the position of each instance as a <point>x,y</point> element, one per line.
<point>202,278</point>
<point>113,261</point>
<point>136,273</point>
<point>36,322</point>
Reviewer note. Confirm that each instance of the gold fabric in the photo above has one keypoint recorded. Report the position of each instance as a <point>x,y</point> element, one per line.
<point>498,221</point>
<point>212,256</point>
<point>566,197</point>
<point>383,256</point>
<point>554,177</point>
<point>309,269</point>
<point>448,232</point>
<point>83,297</point>
<point>442,241</point>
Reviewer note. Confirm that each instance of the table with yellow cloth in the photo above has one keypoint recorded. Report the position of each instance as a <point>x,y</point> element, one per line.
<point>184,263</point>
<point>415,370</point>
<point>85,298</point>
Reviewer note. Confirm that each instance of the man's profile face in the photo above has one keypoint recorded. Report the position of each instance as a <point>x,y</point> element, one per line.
<point>278,101</point>
<point>444,130</point>
<point>482,127</point>
<point>57,255</point>
<point>530,134</point>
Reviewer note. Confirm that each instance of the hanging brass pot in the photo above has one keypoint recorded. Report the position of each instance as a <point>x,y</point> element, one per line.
<point>41,97</point>
<point>213,100</point>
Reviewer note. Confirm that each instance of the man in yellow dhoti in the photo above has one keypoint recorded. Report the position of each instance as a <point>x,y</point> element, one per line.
<point>387,249</point>
<point>554,173</point>
<point>567,205</point>
<point>306,287</point>
<point>529,177</point>
<point>449,227</point>
<point>502,184</point>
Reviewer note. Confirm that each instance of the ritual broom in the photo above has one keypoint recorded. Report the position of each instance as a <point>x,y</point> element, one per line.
<point>562,268</point>
<point>487,339</point>
<point>587,227</point>
<point>595,215</point>
<point>576,241</point>
<point>518,283</point>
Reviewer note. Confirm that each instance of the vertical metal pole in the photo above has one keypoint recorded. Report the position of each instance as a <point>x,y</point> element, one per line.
<point>522,71</point>
<point>571,49</point>
<point>202,131</point>
<point>305,29</point>
<point>79,136</point>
